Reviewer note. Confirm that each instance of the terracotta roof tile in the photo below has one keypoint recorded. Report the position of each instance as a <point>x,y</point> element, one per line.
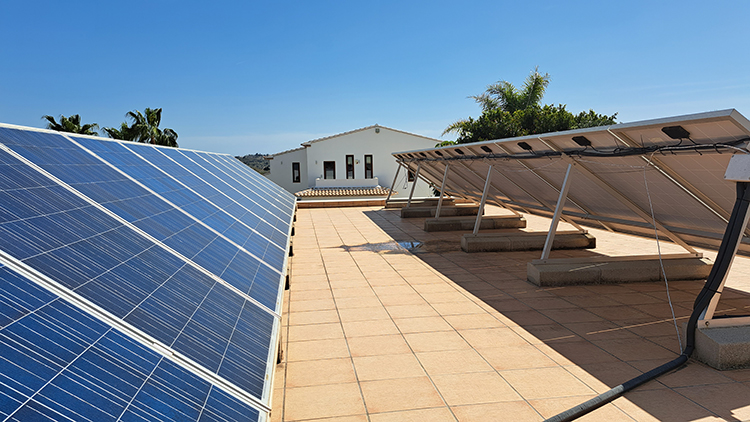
<point>343,191</point>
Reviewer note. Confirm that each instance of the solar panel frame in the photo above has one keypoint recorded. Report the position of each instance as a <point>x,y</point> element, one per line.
<point>95,371</point>
<point>81,223</point>
<point>155,216</point>
<point>688,204</point>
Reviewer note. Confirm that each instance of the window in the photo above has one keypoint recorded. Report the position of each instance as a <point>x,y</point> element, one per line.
<point>368,166</point>
<point>329,169</point>
<point>295,172</point>
<point>350,167</point>
<point>411,176</point>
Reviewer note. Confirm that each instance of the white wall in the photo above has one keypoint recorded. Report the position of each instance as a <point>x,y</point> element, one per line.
<point>379,145</point>
<point>281,170</point>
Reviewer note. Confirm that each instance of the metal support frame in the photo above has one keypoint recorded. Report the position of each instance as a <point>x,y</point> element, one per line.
<point>558,213</point>
<point>501,202</point>
<point>630,204</point>
<point>551,185</point>
<point>442,190</point>
<point>413,184</point>
<point>484,200</point>
<point>393,185</point>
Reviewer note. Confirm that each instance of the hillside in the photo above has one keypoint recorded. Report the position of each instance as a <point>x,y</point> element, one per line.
<point>256,162</point>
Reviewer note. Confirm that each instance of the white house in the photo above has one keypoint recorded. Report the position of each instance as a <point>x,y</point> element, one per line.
<point>355,164</point>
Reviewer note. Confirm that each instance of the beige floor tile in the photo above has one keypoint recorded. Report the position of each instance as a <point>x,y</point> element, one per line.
<point>460,307</point>
<point>304,295</point>
<point>315,332</point>
<point>394,290</point>
<point>400,394</point>
<point>472,321</point>
<point>516,356</point>
<point>369,328</point>
<point>518,411</point>
<point>474,388</point>
<point>453,362</point>
<point>313,317</point>
<point>339,293</point>
<point>410,311</point>
<point>436,341</point>
<point>358,418</point>
<point>357,302</point>
<point>363,314</point>
<point>316,349</point>
<point>666,405</point>
<point>635,349</point>
<point>729,401</point>
<point>381,367</point>
<point>576,352</point>
<point>412,299</point>
<point>323,401</point>
<point>440,414</point>
<point>318,372</point>
<point>378,345</point>
<point>492,337</point>
<point>540,383</point>
<point>422,324</point>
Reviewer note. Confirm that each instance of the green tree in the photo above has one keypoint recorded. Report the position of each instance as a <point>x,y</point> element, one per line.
<point>144,128</point>
<point>509,112</point>
<point>71,124</point>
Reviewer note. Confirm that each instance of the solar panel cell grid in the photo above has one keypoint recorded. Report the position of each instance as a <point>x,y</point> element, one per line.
<point>57,362</point>
<point>151,214</point>
<point>62,362</point>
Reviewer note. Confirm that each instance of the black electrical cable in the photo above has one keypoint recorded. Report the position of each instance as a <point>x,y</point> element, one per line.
<point>729,243</point>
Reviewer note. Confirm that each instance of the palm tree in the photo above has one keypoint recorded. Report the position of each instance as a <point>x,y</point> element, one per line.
<point>504,96</point>
<point>71,124</point>
<point>123,133</point>
<point>144,129</point>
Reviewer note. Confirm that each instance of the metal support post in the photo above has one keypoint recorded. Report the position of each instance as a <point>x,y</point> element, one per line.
<point>442,190</point>
<point>484,199</point>
<point>393,185</point>
<point>646,216</point>
<point>413,184</point>
<point>558,213</point>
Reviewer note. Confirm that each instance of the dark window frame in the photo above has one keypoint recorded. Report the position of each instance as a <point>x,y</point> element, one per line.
<point>350,167</point>
<point>333,168</point>
<point>295,177</point>
<point>410,176</point>
<point>368,167</point>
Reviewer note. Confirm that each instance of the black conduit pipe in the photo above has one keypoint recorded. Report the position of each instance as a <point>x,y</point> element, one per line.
<point>729,243</point>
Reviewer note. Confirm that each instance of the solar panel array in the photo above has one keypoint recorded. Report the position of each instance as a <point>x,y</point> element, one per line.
<point>619,173</point>
<point>136,282</point>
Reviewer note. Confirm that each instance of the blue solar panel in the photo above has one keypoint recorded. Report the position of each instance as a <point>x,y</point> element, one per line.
<point>192,195</point>
<point>138,281</point>
<point>257,202</point>
<point>57,362</point>
<point>81,367</point>
<point>167,224</point>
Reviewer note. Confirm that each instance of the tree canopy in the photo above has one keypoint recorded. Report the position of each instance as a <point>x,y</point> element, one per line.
<point>71,124</point>
<point>509,112</point>
<point>144,128</point>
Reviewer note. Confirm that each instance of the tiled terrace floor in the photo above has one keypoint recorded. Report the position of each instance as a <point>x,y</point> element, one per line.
<point>375,333</point>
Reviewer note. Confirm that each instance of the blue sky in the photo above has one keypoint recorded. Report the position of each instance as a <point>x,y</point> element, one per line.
<point>263,76</point>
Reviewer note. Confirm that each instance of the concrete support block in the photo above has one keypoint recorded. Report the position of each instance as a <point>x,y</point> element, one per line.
<point>427,212</point>
<point>467,223</point>
<point>602,269</point>
<point>422,202</point>
<point>524,241</point>
<point>723,348</point>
